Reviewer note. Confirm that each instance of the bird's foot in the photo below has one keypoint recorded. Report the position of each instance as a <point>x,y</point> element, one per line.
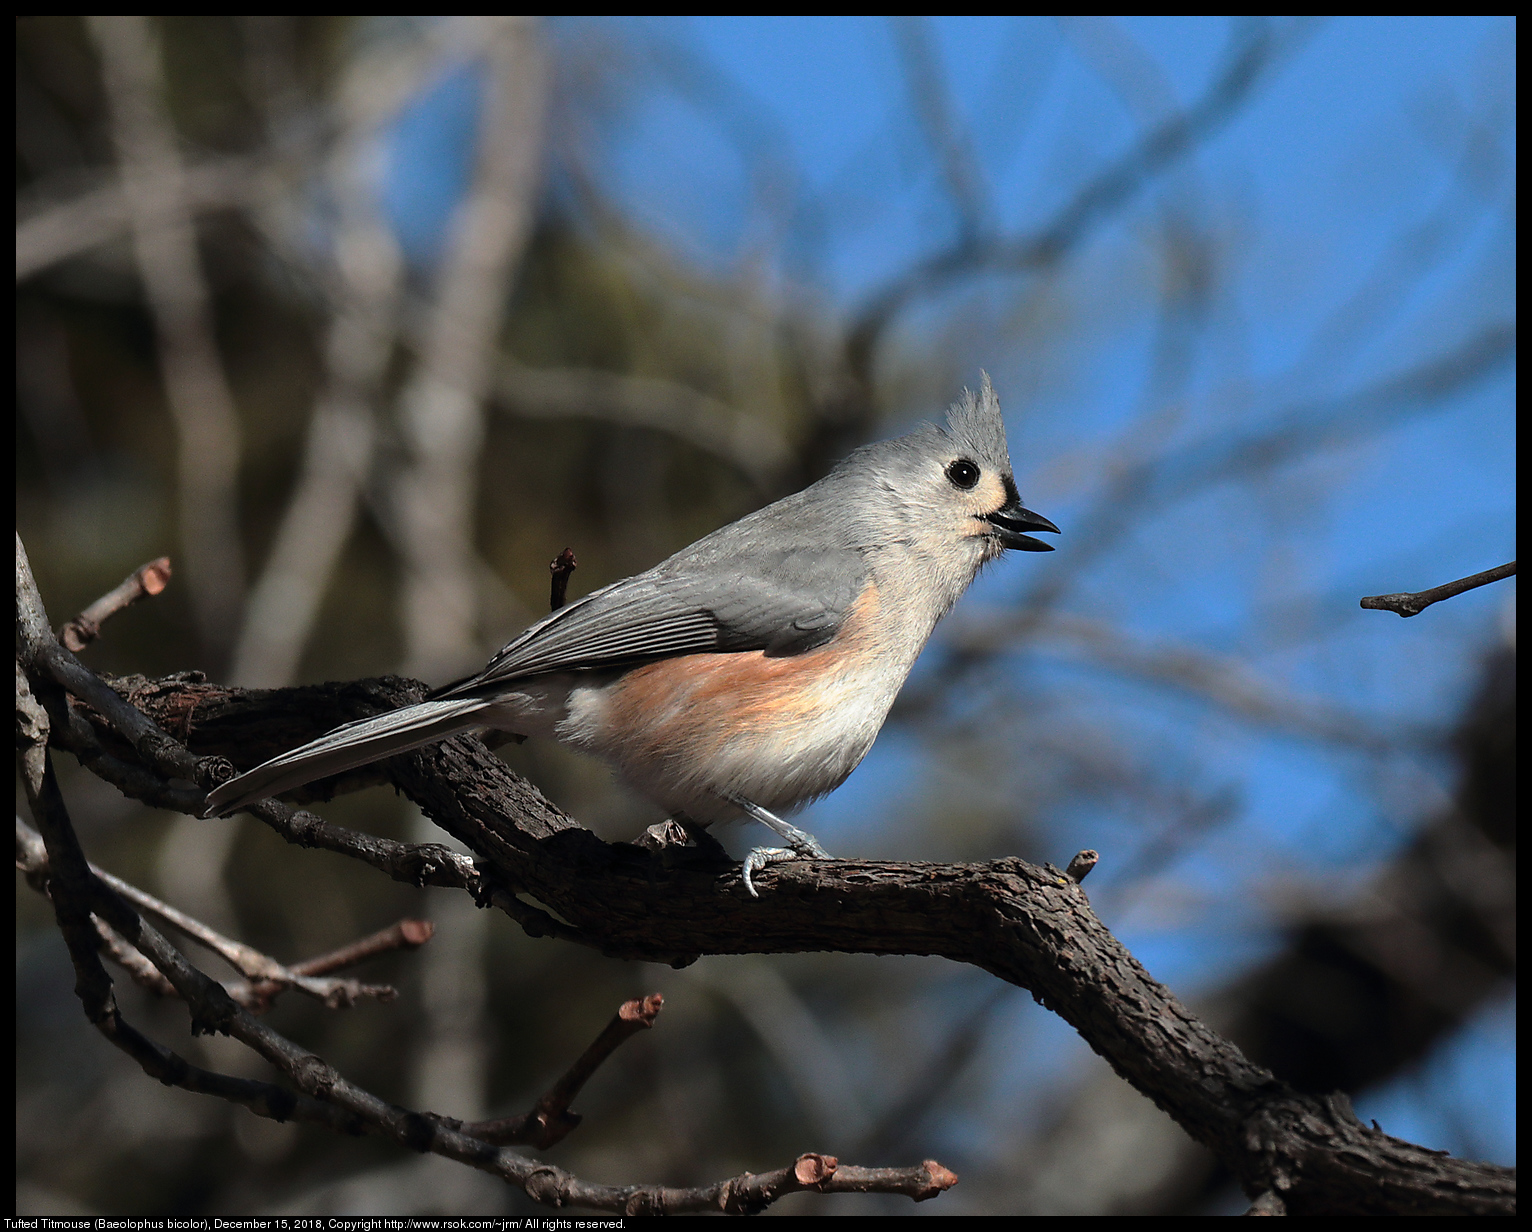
<point>801,844</point>
<point>760,857</point>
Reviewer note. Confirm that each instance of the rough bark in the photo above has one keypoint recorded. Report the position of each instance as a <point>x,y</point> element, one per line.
<point>1026,924</point>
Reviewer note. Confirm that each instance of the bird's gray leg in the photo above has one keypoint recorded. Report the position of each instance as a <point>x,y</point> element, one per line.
<point>801,844</point>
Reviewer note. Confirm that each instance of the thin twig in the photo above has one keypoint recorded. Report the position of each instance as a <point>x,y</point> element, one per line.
<point>32,863</point>
<point>407,934</point>
<point>1080,867</point>
<point>94,987</point>
<point>1414,604</point>
<point>142,972</point>
<point>146,580</point>
<point>40,650</point>
<point>561,566</point>
<point>550,1119</point>
<point>247,960</point>
<point>266,977</point>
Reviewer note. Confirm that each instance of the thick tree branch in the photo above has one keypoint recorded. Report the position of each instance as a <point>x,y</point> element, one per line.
<point>81,898</point>
<point>1029,925</point>
<point>329,1099</point>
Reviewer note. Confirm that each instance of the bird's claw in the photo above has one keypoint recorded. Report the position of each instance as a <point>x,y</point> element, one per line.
<point>760,857</point>
<point>801,845</point>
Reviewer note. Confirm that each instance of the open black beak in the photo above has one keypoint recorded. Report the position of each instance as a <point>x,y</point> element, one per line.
<point>1010,521</point>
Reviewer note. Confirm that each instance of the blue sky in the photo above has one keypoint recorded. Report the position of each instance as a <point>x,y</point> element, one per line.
<point>1340,198</point>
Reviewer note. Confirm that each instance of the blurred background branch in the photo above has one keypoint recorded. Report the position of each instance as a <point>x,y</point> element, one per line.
<point>441,408</point>
<point>47,233</point>
<point>207,423</point>
<point>338,452</point>
<point>395,309</point>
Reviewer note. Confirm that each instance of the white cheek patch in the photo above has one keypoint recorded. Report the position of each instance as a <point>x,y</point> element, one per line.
<point>989,494</point>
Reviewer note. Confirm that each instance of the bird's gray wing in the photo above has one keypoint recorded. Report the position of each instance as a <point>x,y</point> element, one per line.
<point>783,602</point>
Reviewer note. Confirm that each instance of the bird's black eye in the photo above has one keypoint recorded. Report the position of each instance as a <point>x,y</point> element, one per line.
<point>963,473</point>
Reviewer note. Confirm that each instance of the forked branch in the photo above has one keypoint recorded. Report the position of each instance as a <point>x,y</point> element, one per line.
<point>550,1119</point>
<point>1029,925</point>
<point>96,911</point>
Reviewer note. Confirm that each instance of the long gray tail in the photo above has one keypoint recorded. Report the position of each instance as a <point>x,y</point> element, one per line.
<point>346,748</point>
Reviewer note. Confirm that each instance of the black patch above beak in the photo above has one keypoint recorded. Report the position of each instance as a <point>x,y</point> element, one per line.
<point>1011,520</point>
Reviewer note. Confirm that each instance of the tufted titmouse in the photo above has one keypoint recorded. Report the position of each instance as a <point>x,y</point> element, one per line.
<point>750,672</point>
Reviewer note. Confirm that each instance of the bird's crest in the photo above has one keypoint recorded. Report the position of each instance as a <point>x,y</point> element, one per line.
<point>975,423</point>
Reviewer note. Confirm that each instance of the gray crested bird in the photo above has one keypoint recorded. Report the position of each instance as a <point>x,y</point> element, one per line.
<point>750,672</point>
